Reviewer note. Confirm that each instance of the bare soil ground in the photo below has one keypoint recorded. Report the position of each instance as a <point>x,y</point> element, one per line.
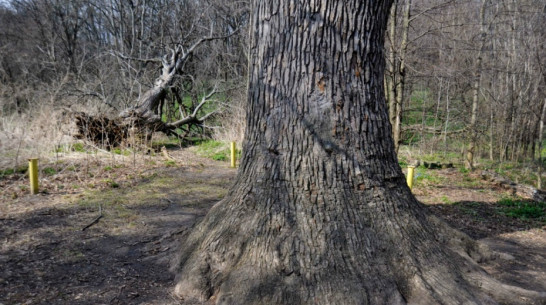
<point>125,257</point>
<point>147,205</point>
<point>471,204</point>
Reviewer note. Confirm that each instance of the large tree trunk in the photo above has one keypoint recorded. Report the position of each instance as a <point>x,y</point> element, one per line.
<point>320,212</point>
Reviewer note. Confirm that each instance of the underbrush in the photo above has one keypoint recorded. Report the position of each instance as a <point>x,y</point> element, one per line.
<point>91,169</point>
<point>519,172</point>
<point>37,134</point>
<point>522,208</point>
<point>231,122</point>
<point>524,172</point>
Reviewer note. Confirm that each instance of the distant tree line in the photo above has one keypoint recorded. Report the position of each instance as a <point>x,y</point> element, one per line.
<point>462,75</point>
<point>470,73</point>
<point>107,53</point>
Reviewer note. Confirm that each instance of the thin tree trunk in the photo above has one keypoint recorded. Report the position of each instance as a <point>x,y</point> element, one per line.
<point>423,121</point>
<point>438,102</point>
<point>469,162</point>
<point>401,84</point>
<point>391,76</point>
<point>446,125</point>
<point>491,128</point>
<point>540,140</point>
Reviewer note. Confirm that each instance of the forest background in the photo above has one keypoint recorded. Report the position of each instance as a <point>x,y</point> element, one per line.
<point>465,79</point>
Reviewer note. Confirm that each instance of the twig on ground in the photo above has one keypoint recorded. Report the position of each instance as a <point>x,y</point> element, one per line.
<point>95,220</point>
<point>165,153</point>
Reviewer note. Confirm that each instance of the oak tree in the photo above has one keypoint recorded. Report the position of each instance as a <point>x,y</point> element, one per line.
<point>320,212</point>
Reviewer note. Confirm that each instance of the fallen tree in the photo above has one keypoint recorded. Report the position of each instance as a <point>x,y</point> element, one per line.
<point>146,117</point>
<point>522,190</point>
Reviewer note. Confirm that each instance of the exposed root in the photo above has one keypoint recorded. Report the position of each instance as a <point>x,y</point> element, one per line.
<point>100,130</point>
<point>109,133</point>
<point>475,252</point>
<point>461,243</point>
<point>506,294</point>
<point>225,262</point>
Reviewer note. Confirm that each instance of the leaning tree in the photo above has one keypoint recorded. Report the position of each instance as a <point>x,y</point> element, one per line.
<point>319,212</point>
<point>187,81</point>
<point>146,116</point>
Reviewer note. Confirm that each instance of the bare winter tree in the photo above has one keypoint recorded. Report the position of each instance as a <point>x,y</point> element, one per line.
<point>469,161</point>
<point>177,73</point>
<point>395,73</point>
<point>138,59</point>
<point>320,212</point>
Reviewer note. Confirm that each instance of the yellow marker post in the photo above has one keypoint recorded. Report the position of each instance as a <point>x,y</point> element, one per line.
<point>233,155</point>
<point>409,177</point>
<point>33,175</point>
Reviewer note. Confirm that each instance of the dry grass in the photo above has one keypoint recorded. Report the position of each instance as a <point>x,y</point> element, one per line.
<point>235,122</point>
<point>65,164</point>
<point>33,134</point>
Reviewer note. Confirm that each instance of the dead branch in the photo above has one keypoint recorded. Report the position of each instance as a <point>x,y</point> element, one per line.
<point>521,190</point>
<point>165,153</point>
<point>96,220</point>
<point>419,127</point>
<point>143,118</point>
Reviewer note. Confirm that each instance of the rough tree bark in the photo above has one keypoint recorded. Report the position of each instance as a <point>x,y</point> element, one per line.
<point>320,212</point>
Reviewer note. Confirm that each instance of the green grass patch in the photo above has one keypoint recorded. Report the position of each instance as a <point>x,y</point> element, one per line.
<point>168,142</point>
<point>123,152</point>
<point>121,203</point>
<point>111,183</point>
<point>470,208</point>
<point>214,150</point>
<point>424,175</point>
<point>170,163</point>
<point>78,147</point>
<point>463,170</point>
<point>11,171</point>
<point>49,171</point>
<point>469,181</point>
<point>522,209</point>
<point>523,172</point>
<point>446,200</point>
<point>74,147</point>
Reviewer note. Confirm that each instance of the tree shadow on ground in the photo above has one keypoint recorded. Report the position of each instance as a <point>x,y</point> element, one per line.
<point>57,263</point>
<point>519,242</point>
<point>485,219</point>
<point>124,258</point>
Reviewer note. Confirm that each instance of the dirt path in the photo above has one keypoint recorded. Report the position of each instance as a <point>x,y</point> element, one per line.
<point>470,204</point>
<point>125,257</point>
